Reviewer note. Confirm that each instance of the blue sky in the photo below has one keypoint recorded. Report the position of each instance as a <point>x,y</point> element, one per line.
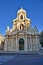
<point>9,8</point>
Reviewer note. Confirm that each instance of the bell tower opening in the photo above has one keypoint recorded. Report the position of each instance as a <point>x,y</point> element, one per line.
<point>21,17</point>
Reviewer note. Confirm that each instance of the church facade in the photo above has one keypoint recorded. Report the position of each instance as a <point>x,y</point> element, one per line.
<point>22,37</point>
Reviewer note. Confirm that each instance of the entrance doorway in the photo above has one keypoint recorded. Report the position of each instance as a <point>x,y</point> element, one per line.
<point>21,44</point>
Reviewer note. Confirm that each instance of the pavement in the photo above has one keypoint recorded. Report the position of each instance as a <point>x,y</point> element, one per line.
<point>21,59</point>
<point>5,58</point>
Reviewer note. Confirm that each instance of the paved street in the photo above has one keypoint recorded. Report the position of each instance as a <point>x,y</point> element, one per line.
<point>4,59</point>
<point>21,60</point>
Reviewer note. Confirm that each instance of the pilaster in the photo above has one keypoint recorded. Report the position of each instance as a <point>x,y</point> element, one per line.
<point>36,43</point>
<point>12,43</point>
<point>25,44</point>
<point>30,43</point>
<point>16,43</point>
<point>6,44</point>
<point>39,46</point>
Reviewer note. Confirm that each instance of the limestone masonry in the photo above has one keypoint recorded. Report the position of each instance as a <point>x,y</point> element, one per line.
<point>22,37</point>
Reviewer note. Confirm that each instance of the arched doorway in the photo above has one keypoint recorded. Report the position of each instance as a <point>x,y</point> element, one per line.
<point>21,44</point>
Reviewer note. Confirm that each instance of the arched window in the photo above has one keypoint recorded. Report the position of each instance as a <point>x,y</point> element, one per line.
<point>21,27</point>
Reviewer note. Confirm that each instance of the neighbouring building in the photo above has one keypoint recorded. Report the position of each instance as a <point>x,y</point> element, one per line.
<point>22,37</point>
<point>1,42</point>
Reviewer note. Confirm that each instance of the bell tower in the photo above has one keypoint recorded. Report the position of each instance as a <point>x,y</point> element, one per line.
<point>21,14</point>
<point>21,22</point>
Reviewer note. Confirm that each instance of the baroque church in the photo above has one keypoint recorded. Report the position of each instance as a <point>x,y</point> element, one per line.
<point>21,37</point>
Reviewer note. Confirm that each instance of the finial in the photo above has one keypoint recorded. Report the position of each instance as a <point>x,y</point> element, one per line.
<point>21,7</point>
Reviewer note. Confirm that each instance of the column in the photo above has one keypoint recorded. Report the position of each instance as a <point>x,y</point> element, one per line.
<point>30,43</point>
<point>25,44</point>
<point>6,44</point>
<point>36,43</point>
<point>39,46</point>
<point>12,44</point>
<point>16,43</point>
